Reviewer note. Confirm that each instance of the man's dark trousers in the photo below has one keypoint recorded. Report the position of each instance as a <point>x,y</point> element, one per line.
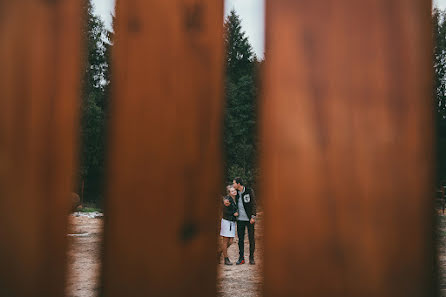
<point>241,226</point>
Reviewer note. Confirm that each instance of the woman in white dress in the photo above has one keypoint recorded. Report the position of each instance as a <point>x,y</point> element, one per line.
<point>228,222</point>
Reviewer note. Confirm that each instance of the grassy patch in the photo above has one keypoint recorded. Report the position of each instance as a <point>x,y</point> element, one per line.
<point>90,209</point>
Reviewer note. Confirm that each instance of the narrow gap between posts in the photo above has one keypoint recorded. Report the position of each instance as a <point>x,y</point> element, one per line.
<point>244,41</point>
<point>240,225</point>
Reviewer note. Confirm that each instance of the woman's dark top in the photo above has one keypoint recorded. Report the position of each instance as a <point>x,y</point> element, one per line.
<point>228,211</point>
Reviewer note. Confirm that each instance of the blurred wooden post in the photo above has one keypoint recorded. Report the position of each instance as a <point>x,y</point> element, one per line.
<point>347,148</point>
<point>39,93</point>
<point>165,160</point>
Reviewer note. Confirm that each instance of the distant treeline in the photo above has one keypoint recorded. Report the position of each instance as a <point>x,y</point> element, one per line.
<point>439,63</point>
<point>240,120</point>
<point>241,95</point>
<point>94,107</point>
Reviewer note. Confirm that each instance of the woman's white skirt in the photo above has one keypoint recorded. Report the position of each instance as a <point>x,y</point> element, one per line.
<point>227,228</point>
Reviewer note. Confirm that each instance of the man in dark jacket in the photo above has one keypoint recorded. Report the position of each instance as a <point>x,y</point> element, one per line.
<point>246,202</point>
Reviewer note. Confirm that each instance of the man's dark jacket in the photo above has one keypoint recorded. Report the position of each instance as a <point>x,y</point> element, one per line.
<point>249,201</point>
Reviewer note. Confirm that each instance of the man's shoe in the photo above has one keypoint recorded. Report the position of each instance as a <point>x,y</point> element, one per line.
<point>251,261</point>
<point>227,262</point>
<point>240,261</point>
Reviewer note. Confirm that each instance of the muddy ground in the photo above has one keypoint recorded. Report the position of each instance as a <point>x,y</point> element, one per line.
<point>233,281</point>
<point>84,256</point>
<point>242,280</point>
<point>84,262</point>
<point>441,237</point>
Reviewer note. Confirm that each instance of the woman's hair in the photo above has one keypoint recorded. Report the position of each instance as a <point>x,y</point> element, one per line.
<point>228,188</point>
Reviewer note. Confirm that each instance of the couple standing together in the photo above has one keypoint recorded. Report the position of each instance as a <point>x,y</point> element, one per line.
<point>239,211</point>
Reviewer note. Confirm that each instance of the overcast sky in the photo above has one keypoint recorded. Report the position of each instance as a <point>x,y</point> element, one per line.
<point>440,4</point>
<point>252,13</point>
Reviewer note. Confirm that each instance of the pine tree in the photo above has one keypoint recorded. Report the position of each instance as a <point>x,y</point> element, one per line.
<point>239,54</point>
<point>240,112</point>
<point>439,27</point>
<point>439,62</point>
<point>94,104</point>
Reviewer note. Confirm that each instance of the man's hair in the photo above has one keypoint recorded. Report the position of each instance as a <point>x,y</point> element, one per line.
<point>239,180</point>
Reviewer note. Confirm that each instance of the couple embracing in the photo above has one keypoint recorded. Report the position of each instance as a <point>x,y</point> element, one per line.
<point>239,212</point>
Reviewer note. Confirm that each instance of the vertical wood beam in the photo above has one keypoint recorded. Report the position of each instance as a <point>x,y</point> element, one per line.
<point>39,94</point>
<point>165,158</point>
<point>347,148</point>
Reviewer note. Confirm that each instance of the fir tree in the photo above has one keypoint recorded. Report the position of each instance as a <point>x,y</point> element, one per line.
<point>239,54</point>
<point>240,113</point>
<point>94,104</point>
<point>439,63</point>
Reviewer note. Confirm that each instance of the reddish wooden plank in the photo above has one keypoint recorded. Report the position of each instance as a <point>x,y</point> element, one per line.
<point>39,91</point>
<point>347,148</point>
<point>165,168</point>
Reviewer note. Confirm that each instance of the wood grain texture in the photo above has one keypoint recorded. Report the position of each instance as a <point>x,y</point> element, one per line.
<point>40,47</point>
<point>165,159</point>
<point>347,148</point>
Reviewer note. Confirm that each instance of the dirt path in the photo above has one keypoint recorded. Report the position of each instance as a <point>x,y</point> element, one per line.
<point>233,281</point>
<point>84,256</point>
<point>442,253</point>
<point>242,280</point>
<point>84,262</point>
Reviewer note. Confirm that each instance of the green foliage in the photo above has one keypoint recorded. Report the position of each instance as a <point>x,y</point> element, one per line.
<point>89,209</point>
<point>240,126</point>
<point>439,61</point>
<point>239,54</point>
<point>94,104</point>
<point>248,175</point>
<point>439,27</point>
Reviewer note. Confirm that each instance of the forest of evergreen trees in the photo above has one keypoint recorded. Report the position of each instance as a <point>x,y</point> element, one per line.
<point>241,91</point>
<point>439,63</point>
<point>94,106</point>
<point>241,94</point>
